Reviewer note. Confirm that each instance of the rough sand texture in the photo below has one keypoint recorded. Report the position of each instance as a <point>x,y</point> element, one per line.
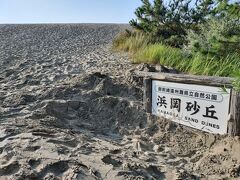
<point>72,109</point>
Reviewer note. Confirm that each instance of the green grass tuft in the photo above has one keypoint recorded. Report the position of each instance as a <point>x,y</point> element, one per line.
<point>141,51</point>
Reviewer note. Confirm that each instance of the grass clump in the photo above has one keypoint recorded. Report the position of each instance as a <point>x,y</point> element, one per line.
<point>130,41</point>
<point>158,53</point>
<point>142,51</point>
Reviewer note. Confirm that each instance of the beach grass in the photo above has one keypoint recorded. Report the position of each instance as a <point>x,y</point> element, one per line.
<point>142,51</point>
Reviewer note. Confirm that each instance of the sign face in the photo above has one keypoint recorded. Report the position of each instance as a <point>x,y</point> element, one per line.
<point>200,107</point>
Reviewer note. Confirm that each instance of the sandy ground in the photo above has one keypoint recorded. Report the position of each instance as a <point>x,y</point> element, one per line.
<point>70,108</point>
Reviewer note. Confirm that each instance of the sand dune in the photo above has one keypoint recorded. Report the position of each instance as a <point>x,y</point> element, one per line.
<point>70,108</point>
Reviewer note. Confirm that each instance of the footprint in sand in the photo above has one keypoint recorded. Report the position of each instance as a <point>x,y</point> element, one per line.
<point>10,169</point>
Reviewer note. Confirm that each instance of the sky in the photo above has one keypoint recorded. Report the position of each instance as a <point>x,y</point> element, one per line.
<point>67,11</point>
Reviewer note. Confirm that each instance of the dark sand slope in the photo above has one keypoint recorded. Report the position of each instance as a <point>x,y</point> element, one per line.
<point>72,109</point>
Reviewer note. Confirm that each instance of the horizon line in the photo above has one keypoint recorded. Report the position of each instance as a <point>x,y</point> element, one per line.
<point>62,23</point>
